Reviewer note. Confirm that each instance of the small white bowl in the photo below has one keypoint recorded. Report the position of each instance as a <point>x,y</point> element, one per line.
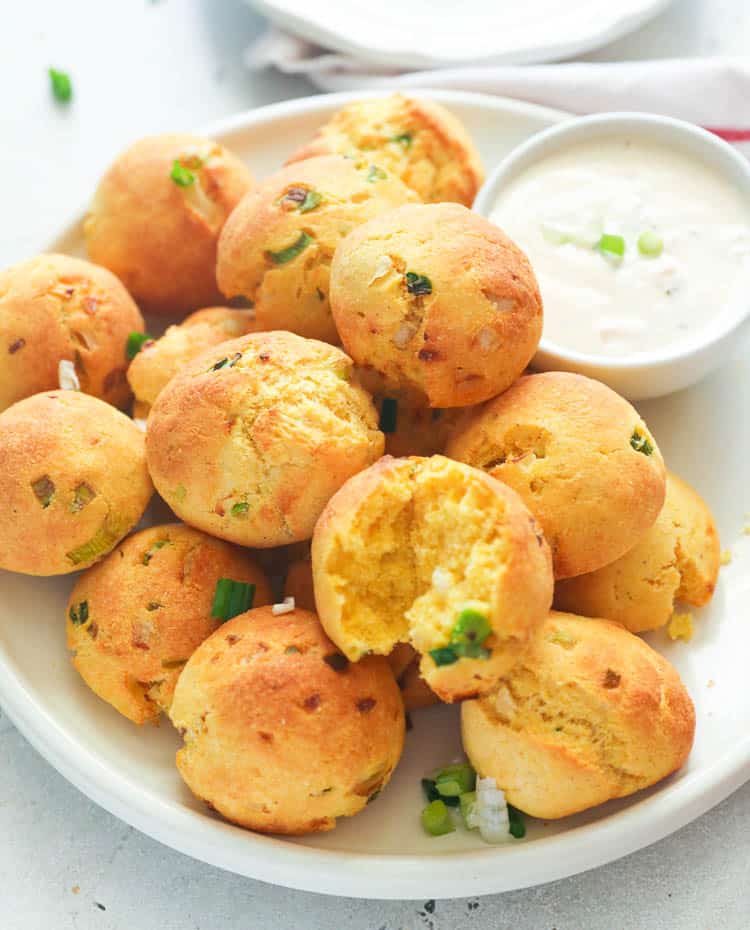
<point>656,373</point>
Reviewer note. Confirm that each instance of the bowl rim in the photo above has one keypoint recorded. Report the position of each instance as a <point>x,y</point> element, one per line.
<point>722,157</point>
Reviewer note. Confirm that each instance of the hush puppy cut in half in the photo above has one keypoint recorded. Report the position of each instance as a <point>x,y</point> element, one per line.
<point>676,560</point>
<point>73,481</point>
<point>581,458</point>
<point>282,734</point>
<point>437,300</point>
<point>591,713</point>
<point>159,360</point>
<point>277,246</point>
<point>55,308</point>
<point>135,619</point>
<point>156,217</point>
<point>417,140</point>
<point>251,439</point>
<point>437,554</point>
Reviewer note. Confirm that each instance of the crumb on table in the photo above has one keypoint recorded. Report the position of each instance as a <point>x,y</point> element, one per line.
<point>681,627</point>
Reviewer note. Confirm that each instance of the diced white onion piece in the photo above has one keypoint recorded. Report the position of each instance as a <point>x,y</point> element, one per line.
<point>141,424</point>
<point>442,580</point>
<point>504,703</point>
<point>286,608</point>
<point>492,812</point>
<point>382,267</point>
<point>404,333</point>
<point>487,339</point>
<point>67,377</point>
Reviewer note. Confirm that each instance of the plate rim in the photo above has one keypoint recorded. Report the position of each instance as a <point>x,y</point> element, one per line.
<point>320,34</point>
<point>344,872</point>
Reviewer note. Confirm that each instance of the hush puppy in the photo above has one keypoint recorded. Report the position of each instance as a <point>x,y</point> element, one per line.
<point>160,359</point>
<point>437,300</point>
<point>156,217</point>
<point>437,554</point>
<point>282,734</point>
<point>135,619</point>
<point>73,481</point>
<point>55,308</point>
<point>251,439</point>
<point>581,458</point>
<point>419,141</point>
<point>591,713</point>
<point>277,246</point>
<point>676,560</point>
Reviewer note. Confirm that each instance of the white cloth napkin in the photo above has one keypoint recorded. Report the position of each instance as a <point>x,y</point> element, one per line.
<point>712,92</point>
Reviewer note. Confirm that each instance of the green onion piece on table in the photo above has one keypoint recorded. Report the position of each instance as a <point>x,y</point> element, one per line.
<point>436,819</point>
<point>62,86</point>
<point>388,415</point>
<point>135,343</point>
<point>232,598</point>
<point>612,247</point>
<point>292,251</point>
<point>650,245</point>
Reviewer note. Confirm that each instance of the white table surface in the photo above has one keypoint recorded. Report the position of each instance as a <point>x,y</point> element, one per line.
<point>140,67</point>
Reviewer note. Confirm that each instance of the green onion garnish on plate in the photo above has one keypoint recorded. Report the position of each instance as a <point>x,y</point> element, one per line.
<point>517,824</point>
<point>232,598</point>
<point>455,780</point>
<point>650,244</point>
<point>135,342</point>
<point>436,819</point>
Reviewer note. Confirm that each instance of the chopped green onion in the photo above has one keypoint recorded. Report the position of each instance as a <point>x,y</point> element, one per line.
<point>312,200</point>
<point>240,509</point>
<point>471,627</point>
<point>471,651</point>
<point>436,819</point>
<point>445,656</point>
<point>292,251</point>
<point>290,650</point>
<point>418,284</point>
<point>135,343</point>
<point>82,495</point>
<point>231,598</point>
<point>220,364</point>
<point>62,86</point>
<point>102,541</point>
<point>337,661</point>
<point>641,443</point>
<point>388,415</point>
<point>612,247</point>
<point>517,824</point>
<point>182,176</point>
<point>80,616</point>
<point>431,793</point>
<point>650,245</point>
<point>404,139</point>
<point>454,780</point>
<point>44,490</point>
<point>376,174</point>
<point>467,803</point>
<point>149,553</point>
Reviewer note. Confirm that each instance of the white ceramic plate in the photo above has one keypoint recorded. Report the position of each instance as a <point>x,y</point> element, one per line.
<point>383,852</point>
<point>441,33</point>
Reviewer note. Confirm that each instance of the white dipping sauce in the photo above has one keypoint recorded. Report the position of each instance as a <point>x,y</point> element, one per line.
<point>598,303</point>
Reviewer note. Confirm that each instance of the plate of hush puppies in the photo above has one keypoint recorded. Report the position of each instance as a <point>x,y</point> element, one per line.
<point>307,570</point>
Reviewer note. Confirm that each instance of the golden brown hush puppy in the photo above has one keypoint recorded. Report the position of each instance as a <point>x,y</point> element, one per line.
<point>160,359</point>
<point>415,691</point>
<point>56,308</point>
<point>282,734</point>
<point>581,458</point>
<point>251,439</point>
<point>277,246</point>
<point>591,713</point>
<point>419,141</point>
<point>73,481</point>
<point>156,217</point>
<point>437,300</point>
<point>677,559</point>
<point>437,554</point>
<point>136,618</point>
